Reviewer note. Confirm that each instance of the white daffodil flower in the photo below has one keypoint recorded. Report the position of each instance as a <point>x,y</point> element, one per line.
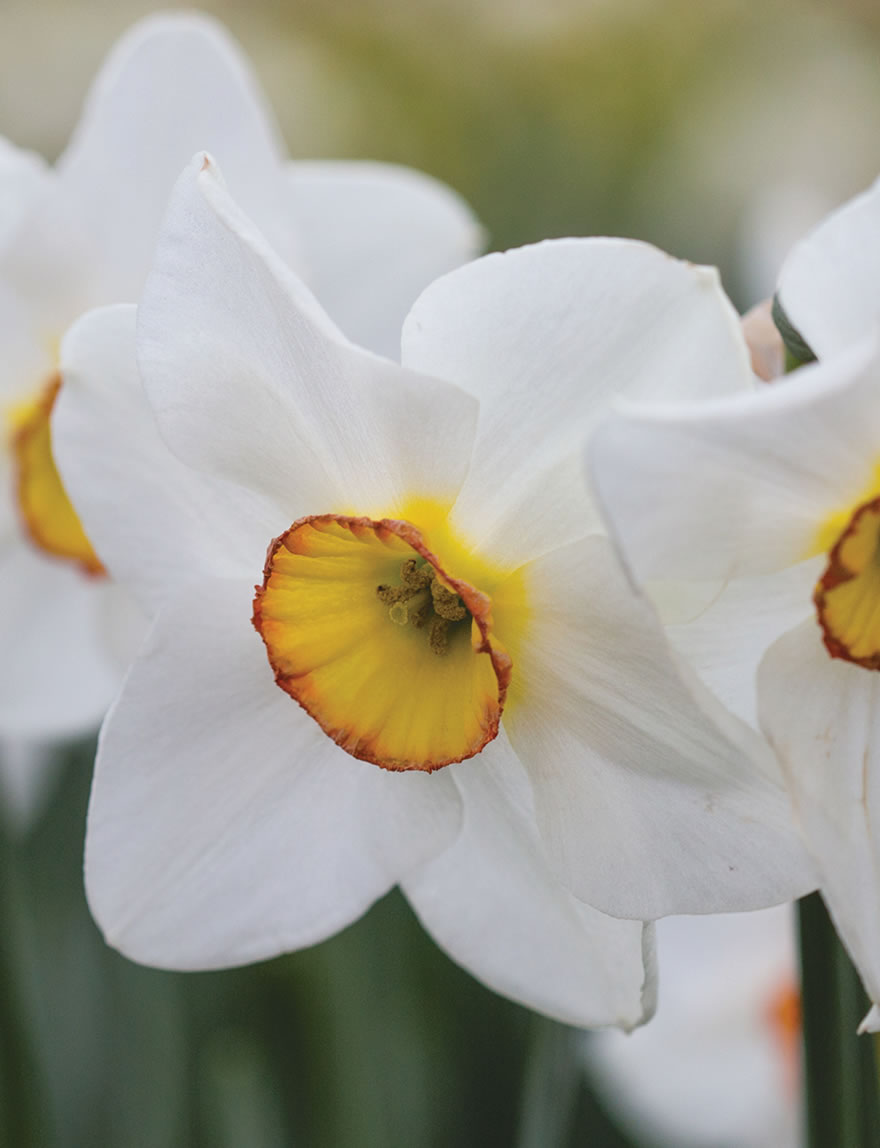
<point>443,670</point>
<point>720,1063</point>
<point>775,497</point>
<point>368,236</point>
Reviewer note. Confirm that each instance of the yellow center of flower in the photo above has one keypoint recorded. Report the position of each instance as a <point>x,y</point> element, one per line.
<point>46,512</point>
<point>389,652</point>
<point>847,596</point>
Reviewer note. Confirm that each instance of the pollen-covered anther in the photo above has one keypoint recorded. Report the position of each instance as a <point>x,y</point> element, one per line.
<point>393,656</point>
<point>847,596</point>
<point>421,600</point>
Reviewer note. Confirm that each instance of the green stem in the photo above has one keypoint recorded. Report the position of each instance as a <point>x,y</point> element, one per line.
<point>840,1072</point>
<point>21,1095</point>
<point>552,1083</point>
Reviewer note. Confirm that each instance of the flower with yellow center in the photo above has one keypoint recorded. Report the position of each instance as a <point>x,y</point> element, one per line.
<point>81,234</point>
<point>778,496</point>
<point>392,643</point>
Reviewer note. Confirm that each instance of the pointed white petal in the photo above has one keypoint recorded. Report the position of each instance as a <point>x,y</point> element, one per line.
<point>373,236</point>
<point>56,680</point>
<point>822,716</point>
<point>741,486</point>
<point>175,84</point>
<point>545,337</point>
<point>650,798</point>
<point>828,283</point>
<point>250,379</point>
<point>165,523</point>
<point>224,825</point>
<point>492,902</point>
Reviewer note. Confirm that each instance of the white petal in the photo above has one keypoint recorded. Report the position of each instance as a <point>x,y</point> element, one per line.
<point>828,283</point>
<point>822,716</point>
<point>56,680</point>
<point>46,270</point>
<point>651,799</point>
<point>546,337</point>
<point>175,84</point>
<point>224,825</point>
<point>741,486</point>
<point>726,640</point>
<point>250,379</point>
<point>491,901</point>
<point>165,523</point>
<point>23,174</point>
<point>373,236</point>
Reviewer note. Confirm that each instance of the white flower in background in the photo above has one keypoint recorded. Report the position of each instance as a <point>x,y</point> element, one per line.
<point>719,1066</point>
<point>775,497</point>
<point>437,595</point>
<point>368,236</point>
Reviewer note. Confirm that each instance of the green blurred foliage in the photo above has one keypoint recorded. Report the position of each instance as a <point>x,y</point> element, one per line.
<point>373,1039</point>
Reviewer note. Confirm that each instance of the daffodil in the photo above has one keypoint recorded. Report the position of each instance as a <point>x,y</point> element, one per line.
<point>773,500</point>
<point>720,1062</point>
<point>369,236</point>
<point>391,642</point>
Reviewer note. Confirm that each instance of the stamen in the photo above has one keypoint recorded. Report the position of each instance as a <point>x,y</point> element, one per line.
<point>447,604</point>
<point>438,638</point>
<point>409,604</point>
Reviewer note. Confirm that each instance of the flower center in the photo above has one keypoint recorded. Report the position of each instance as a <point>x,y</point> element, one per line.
<point>393,656</point>
<point>847,596</point>
<point>46,513</point>
<point>422,601</point>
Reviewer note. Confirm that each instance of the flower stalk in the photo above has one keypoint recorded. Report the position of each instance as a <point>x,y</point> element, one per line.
<point>842,1105</point>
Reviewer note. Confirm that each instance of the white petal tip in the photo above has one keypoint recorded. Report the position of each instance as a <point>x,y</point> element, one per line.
<point>871,1023</point>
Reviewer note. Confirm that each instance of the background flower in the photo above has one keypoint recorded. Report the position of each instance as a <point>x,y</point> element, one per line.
<point>369,235</point>
<point>719,1066</point>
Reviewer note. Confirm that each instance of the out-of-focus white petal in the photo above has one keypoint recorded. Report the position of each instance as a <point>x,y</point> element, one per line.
<point>55,679</point>
<point>545,337</point>
<point>651,799</point>
<point>718,1064</point>
<point>822,716</point>
<point>725,640</point>
<point>47,277</point>
<point>250,379</point>
<point>175,84</point>
<point>828,283</point>
<point>491,901</point>
<point>155,522</point>
<point>741,486</point>
<point>23,174</point>
<point>224,825</point>
<point>373,236</point>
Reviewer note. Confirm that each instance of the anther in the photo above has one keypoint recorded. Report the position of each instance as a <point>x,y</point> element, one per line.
<point>410,603</point>
<point>446,603</point>
<point>437,637</point>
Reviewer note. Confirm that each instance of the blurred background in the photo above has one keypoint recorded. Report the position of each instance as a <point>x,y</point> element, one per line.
<point>718,131</point>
